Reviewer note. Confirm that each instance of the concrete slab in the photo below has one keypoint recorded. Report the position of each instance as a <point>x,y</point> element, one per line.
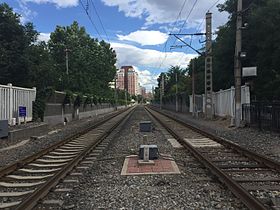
<point>8,205</point>
<point>174,143</point>
<point>15,145</point>
<point>15,194</point>
<point>64,153</point>
<point>70,181</point>
<point>87,162</point>
<point>8,184</point>
<point>47,165</point>
<point>27,170</point>
<point>91,158</point>
<point>53,160</point>
<point>76,174</point>
<point>63,190</point>
<point>53,202</point>
<point>59,157</point>
<point>19,177</point>
<point>161,166</point>
<point>202,142</point>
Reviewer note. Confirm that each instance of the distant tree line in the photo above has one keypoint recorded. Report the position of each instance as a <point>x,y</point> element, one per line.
<point>25,61</point>
<point>261,42</point>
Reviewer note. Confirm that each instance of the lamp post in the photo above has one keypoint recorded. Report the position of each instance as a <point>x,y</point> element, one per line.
<point>176,77</point>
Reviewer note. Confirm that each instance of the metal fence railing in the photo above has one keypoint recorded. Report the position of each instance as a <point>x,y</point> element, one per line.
<point>11,98</point>
<point>262,115</point>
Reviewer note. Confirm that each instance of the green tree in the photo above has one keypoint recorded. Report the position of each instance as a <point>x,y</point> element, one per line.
<point>260,41</point>
<point>91,63</point>
<point>14,40</point>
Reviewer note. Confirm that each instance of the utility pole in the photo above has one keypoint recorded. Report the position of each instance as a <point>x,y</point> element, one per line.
<point>208,68</point>
<point>116,96</point>
<point>176,91</point>
<point>193,88</point>
<point>237,64</point>
<point>67,60</point>
<point>161,90</point>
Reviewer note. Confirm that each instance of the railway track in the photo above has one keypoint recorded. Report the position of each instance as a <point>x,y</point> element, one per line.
<point>251,177</point>
<point>24,183</point>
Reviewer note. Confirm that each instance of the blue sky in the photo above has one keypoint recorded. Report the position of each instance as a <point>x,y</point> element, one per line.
<point>137,30</point>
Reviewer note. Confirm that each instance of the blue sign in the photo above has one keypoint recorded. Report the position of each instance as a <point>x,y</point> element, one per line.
<point>22,111</point>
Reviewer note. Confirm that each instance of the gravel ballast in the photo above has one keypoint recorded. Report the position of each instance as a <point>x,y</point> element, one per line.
<point>32,146</point>
<point>102,186</point>
<point>261,142</point>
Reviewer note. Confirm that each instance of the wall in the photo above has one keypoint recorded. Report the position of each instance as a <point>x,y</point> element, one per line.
<point>57,113</point>
<point>223,101</point>
<point>11,98</point>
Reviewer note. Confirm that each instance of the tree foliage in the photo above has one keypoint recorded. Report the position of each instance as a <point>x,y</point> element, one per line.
<point>260,41</point>
<point>27,62</point>
<point>183,82</point>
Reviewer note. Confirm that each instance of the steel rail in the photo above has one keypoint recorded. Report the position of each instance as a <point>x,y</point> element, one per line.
<point>32,200</point>
<point>250,201</point>
<point>14,166</point>
<point>270,163</point>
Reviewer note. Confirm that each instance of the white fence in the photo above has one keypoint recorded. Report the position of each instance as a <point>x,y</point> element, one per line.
<point>11,98</point>
<point>223,101</point>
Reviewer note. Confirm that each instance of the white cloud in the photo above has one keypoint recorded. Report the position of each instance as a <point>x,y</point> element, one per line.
<point>57,3</point>
<point>151,59</point>
<point>166,11</point>
<point>129,54</point>
<point>146,78</point>
<point>26,13</point>
<point>145,37</point>
<point>44,37</point>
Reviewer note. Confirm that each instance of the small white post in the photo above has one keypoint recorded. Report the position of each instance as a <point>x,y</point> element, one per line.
<point>145,139</point>
<point>146,153</point>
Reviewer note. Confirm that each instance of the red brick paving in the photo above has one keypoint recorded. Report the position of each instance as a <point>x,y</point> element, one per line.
<point>131,167</point>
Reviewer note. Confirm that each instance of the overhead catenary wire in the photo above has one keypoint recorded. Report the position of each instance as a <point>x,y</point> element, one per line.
<point>203,19</point>
<point>184,23</point>
<point>200,24</point>
<point>90,19</point>
<point>100,21</point>
<point>190,12</point>
<point>165,44</point>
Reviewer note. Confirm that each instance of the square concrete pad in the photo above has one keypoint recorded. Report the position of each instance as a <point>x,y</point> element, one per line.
<point>161,166</point>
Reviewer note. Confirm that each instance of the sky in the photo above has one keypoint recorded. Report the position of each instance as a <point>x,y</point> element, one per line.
<point>137,30</point>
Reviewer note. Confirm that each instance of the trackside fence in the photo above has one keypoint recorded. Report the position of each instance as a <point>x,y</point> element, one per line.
<point>223,101</point>
<point>11,98</point>
<point>263,115</point>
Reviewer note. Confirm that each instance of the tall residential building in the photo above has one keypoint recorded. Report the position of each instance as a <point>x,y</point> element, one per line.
<point>143,92</point>
<point>127,79</point>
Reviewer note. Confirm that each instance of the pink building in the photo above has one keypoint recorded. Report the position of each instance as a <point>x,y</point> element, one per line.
<point>127,79</point>
<point>143,92</point>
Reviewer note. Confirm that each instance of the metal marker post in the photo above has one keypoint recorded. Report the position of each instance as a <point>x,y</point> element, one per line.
<point>146,153</point>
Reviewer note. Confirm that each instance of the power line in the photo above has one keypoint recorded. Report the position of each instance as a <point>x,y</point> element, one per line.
<point>188,16</point>
<point>165,44</point>
<point>197,29</point>
<point>203,20</point>
<point>179,15</point>
<point>100,20</point>
<point>91,19</point>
